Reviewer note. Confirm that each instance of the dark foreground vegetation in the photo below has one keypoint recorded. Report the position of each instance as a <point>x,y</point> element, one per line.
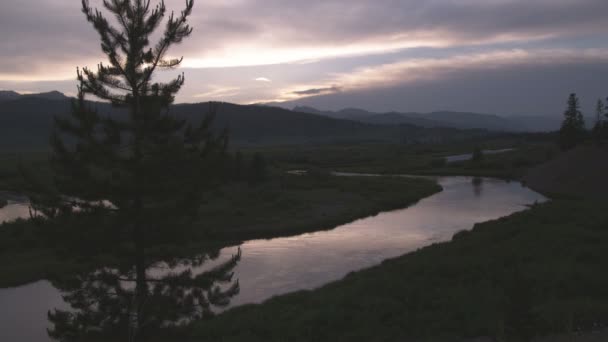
<point>537,272</point>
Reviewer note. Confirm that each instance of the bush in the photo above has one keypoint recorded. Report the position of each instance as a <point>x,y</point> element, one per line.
<point>477,155</point>
<point>258,171</point>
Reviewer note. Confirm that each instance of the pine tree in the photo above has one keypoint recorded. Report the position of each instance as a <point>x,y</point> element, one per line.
<point>604,128</point>
<point>238,166</point>
<point>257,171</point>
<point>143,174</point>
<point>598,128</point>
<point>572,131</point>
<point>477,156</point>
<point>600,111</point>
<point>175,298</point>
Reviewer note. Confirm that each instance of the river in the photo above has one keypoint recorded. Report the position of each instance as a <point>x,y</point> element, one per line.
<point>282,265</point>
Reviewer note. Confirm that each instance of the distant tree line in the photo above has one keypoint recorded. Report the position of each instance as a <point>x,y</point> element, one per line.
<point>600,129</point>
<point>573,132</point>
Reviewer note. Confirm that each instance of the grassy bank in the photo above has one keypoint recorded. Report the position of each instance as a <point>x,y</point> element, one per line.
<point>285,206</point>
<point>541,271</point>
<point>299,204</point>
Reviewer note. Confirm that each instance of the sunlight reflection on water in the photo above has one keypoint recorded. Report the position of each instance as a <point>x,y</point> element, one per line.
<point>277,266</point>
<point>17,207</point>
<point>272,267</point>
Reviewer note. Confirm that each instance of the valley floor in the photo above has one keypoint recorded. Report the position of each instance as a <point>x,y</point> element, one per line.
<point>537,273</point>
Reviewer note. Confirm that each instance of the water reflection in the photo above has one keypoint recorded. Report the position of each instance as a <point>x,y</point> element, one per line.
<point>279,266</point>
<point>477,186</point>
<point>132,304</point>
<point>100,302</point>
<point>16,206</point>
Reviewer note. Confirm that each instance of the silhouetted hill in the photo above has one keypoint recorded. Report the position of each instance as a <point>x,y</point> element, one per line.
<point>26,122</point>
<point>460,120</point>
<point>51,95</point>
<point>580,172</point>
<point>8,95</point>
<point>262,124</point>
<point>256,124</point>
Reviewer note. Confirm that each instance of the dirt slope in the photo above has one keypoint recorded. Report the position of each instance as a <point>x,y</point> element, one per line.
<point>581,172</point>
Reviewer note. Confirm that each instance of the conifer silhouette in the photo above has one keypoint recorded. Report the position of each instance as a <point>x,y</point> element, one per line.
<point>572,131</point>
<point>143,173</point>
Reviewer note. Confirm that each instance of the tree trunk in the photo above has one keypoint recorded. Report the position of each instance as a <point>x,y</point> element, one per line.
<point>136,317</point>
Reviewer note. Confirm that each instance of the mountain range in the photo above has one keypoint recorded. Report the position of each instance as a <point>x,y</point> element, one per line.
<point>26,122</point>
<point>8,95</point>
<point>460,120</point>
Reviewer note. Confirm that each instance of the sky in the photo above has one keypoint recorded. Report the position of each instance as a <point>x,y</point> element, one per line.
<point>506,57</point>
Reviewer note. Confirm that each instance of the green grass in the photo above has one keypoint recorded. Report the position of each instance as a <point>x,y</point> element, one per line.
<point>287,205</point>
<point>540,271</point>
<point>293,204</point>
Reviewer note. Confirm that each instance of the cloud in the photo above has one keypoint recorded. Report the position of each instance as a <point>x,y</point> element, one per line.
<point>332,50</point>
<point>540,89</point>
<point>47,39</point>
<point>218,93</point>
<point>295,31</point>
<point>317,91</point>
<point>501,81</point>
<point>429,69</point>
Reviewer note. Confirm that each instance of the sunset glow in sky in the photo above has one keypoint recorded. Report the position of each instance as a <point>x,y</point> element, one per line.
<point>511,57</point>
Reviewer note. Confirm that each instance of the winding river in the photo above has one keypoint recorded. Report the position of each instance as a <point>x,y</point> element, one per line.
<point>277,266</point>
